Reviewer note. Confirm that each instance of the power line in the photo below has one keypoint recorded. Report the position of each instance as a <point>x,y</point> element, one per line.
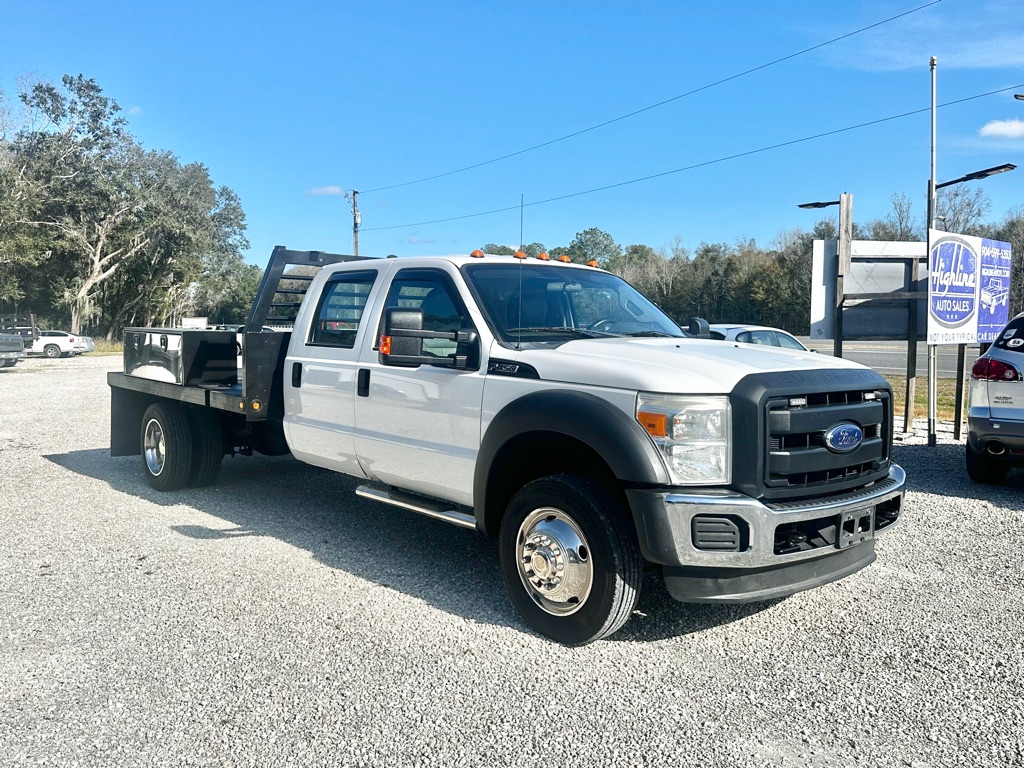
<point>701,164</point>
<point>654,106</point>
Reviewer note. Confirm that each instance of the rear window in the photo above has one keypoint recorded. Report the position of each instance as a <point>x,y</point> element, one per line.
<point>340,309</point>
<point>1012,336</point>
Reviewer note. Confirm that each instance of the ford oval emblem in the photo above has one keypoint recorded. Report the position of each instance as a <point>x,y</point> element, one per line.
<point>844,437</point>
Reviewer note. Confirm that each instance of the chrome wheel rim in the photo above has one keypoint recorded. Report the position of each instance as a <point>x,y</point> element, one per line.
<point>153,447</point>
<point>554,561</point>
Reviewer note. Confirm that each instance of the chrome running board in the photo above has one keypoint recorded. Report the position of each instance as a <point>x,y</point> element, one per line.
<point>429,507</point>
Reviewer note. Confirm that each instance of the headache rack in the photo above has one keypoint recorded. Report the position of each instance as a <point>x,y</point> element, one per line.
<point>282,289</point>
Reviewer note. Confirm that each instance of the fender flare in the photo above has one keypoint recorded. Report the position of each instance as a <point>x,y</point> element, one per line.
<point>616,437</point>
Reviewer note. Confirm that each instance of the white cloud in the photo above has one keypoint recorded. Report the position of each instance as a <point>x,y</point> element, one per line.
<point>325,191</point>
<point>977,35</point>
<point>417,239</point>
<point>1003,129</point>
<point>135,111</point>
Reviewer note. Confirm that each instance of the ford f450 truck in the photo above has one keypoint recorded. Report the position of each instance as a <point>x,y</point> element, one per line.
<point>548,404</point>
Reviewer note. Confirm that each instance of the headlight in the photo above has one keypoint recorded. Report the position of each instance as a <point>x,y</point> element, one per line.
<point>693,434</point>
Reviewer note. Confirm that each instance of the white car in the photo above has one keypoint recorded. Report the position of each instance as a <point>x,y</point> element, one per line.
<point>995,418</point>
<point>755,334</point>
<point>56,344</point>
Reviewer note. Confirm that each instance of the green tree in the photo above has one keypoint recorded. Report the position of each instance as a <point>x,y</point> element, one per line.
<point>125,232</point>
<point>593,245</point>
<point>498,250</point>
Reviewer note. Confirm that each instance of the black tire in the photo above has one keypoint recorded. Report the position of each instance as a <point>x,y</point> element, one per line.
<point>52,351</point>
<point>9,363</point>
<point>207,447</point>
<point>984,469</point>
<point>166,441</point>
<point>578,534</point>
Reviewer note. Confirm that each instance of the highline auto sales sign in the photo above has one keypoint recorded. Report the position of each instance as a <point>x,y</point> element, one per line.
<point>968,288</point>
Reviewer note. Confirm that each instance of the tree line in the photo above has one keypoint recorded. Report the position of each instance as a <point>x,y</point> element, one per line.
<point>98,233</point>
<point>743,283</point>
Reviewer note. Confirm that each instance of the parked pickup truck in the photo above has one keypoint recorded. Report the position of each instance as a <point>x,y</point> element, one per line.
<point>550,405</point>
<point>12,349</point>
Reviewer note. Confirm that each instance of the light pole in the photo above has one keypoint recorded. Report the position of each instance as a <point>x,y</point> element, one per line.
<point>844,256</point>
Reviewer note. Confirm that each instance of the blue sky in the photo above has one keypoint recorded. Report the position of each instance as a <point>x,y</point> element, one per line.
<point>289,104</point>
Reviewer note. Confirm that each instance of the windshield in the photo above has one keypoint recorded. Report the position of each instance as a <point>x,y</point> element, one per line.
<point>548,303</point>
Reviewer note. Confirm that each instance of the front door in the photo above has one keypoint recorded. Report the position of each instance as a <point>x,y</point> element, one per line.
<point>419,428</point>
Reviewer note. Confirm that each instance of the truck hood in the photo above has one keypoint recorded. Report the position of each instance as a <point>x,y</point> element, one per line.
<point>669,365</point>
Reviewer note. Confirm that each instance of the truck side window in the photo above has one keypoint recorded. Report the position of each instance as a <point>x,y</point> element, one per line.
<point>341,308</point>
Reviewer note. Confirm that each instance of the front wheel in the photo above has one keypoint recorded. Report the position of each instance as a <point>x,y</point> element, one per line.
<point>570,559</point>
<point>52,351</point>
<point>982,468</point>
<point>166,446</point>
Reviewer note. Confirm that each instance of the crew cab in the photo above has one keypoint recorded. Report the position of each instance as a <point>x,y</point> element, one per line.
<point>548,404</point>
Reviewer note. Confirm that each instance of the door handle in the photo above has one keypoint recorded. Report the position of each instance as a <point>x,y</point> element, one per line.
<point>363,382</point>
<point>296,375</point>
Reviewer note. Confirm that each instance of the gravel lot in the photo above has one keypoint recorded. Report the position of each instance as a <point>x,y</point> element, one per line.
<point>276,619</point>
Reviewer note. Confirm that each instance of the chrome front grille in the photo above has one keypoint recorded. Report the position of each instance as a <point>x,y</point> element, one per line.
<point>797,457</point>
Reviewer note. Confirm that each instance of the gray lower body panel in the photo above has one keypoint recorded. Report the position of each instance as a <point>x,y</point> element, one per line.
<point>742,585</point>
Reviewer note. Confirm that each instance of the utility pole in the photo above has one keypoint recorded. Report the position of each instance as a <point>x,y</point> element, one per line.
<point>356,220</point>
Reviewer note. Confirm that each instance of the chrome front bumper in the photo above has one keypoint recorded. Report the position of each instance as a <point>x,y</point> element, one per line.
<point>756,569</point>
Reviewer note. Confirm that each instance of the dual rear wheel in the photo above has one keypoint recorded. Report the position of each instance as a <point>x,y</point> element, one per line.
<point>180,446</point>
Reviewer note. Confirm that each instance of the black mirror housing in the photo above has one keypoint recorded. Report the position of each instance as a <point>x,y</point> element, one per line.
<point>699,328</point>
<point>401,342</point>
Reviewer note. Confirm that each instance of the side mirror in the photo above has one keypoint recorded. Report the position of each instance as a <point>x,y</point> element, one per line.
<point>699,328</point>
<point>401,342</point>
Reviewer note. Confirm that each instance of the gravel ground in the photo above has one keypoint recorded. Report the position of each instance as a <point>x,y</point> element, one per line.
<point>276,619</point>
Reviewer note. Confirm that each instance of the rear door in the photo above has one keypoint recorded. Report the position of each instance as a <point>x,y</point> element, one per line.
<point>418,428</point>
<point>320,371</point>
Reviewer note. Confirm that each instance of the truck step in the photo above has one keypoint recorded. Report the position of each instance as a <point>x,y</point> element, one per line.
<point>430,507</point>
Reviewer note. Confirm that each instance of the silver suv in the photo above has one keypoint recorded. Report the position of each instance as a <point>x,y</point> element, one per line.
<point>995,420</point>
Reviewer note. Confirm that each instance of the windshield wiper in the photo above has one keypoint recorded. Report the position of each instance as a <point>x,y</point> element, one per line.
<point>578,333</point>
<point>660,334</point>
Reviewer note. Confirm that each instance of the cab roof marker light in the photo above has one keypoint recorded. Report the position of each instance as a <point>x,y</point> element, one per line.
<point>543,256</point>
<point>519,255</point>
<point>564,259</point>
<point>593,263</point>
<point>477,254</point>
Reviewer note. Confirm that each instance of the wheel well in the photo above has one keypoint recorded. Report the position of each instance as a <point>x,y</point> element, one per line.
<point>532,455</point>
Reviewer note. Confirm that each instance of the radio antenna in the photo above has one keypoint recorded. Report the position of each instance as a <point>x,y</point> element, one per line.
<point>520,222</point>
<point>519,325</point>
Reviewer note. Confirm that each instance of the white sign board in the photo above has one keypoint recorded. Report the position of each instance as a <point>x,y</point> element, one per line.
<point>968,288</point>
